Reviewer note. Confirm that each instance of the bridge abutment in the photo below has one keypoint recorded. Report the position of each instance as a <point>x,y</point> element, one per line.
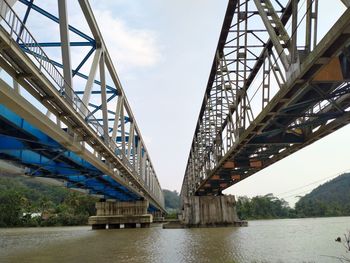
<point>204,211</point>
<point>116,214</point>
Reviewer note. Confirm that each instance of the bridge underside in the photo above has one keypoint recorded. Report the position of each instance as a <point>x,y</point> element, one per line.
<point>270,140</point>
<point>56,120</point>
<point>22,143</point>
<point>25,145</point>
<point>268,97</point>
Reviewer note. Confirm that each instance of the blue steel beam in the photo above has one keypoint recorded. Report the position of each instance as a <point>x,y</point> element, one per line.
<point>58,44</point>
<point>95,92</point>
<point>97,108</point>
<point>50,168</point>
<point>56,19</point>
<point>25,18</point>
<point>91,42</point>
<point>41,138</point>
<point>110,90</point>
<point>25,126</point>
<point>32,158</point>
<point>11,146</point>
<point>41,165</point>
<point>18,143</point>
<point>126,118</point>
<point>81,64</point>
<point>98,184</point>
<point>57,64</point>
<point>45,158</point>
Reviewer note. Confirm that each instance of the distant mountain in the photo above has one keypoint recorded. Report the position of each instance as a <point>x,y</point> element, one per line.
<point>172,200</point>
<point>329,199</point>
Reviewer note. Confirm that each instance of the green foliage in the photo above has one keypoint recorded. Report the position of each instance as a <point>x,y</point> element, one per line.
<point>171,215</point>
<point>263,207</point>
<point>172,200</point>
<point>329,199</point>
<point>20,197</point>
<point>10,208</point>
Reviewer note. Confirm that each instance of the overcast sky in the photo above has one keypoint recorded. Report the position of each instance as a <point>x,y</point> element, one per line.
<point>164,80</point>
<point>163,52</point>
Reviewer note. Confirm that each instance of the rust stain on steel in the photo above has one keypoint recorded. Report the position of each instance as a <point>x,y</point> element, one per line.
<point>236,177</point>
<point>256,163</point>
<point>229,164</point>
<point>330,72</point>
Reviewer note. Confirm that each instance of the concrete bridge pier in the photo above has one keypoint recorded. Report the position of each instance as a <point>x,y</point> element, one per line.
<point>158,217</point>
<point>206,211</point>
<point>116,214</point>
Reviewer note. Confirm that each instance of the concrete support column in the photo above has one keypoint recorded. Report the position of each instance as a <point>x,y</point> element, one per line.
<point>201,211</point>
<point>115,213</point>
<point>158,216</point>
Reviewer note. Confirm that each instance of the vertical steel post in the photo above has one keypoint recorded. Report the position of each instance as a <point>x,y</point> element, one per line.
<point>315,17</point>
<point>293,46</point>
<point>308,26</point>
<point>104,98</point>
<point>65,48</point>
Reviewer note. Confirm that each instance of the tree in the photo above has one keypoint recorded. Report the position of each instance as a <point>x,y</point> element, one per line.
<point>329,199</point>
<point>58,206</point>
<point>171,199</point>
<point>262,207</point>
<point>10,208</point>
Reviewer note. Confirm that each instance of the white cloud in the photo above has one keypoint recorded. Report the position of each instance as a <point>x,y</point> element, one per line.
<point>128,47</point>
<point>147,140</point>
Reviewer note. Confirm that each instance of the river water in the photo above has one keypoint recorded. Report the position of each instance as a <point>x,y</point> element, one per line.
<point>287,240</point>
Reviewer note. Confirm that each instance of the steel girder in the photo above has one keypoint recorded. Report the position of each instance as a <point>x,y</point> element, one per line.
<point>92,110</point>
<point>22,143</point>
<point>270,91</point>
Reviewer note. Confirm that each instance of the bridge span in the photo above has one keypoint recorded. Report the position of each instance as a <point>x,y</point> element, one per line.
<point>274,88</point>
<point>67,117</point>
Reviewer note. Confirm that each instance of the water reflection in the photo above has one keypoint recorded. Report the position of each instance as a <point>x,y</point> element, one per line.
<point>298,240</point>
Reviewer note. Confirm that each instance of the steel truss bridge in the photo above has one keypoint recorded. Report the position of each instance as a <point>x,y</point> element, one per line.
<point>274,88</point>
<point>63,116</point>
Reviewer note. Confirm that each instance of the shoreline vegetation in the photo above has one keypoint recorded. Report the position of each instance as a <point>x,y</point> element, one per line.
<point>26,202</point>
<point>327,200</point>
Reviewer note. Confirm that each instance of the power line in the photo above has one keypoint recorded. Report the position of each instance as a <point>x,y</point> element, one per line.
<point>312,183</point>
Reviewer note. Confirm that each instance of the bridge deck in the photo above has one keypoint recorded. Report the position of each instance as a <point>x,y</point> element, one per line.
<point>22,143</point>
<point>288,121</point>
<point>299,94</point>
<point>83,153</point>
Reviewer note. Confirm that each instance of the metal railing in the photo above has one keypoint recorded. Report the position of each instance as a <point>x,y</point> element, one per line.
<point>20,34</point>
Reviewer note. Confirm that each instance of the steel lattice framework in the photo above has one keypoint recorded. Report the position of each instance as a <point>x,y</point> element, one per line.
<point>273,89</point>
<point>69,119</point>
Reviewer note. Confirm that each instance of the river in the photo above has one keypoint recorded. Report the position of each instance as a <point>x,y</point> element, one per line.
<point>286,240</point>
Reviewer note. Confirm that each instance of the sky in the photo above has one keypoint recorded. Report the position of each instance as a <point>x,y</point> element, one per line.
<point>163,52</point>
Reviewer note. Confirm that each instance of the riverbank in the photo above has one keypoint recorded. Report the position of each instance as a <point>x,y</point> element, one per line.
<point>300,240</point>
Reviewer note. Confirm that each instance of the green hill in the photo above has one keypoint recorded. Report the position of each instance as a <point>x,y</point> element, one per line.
<point>172,200</point>
<point>22,197</point>
<point>329,199</point>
